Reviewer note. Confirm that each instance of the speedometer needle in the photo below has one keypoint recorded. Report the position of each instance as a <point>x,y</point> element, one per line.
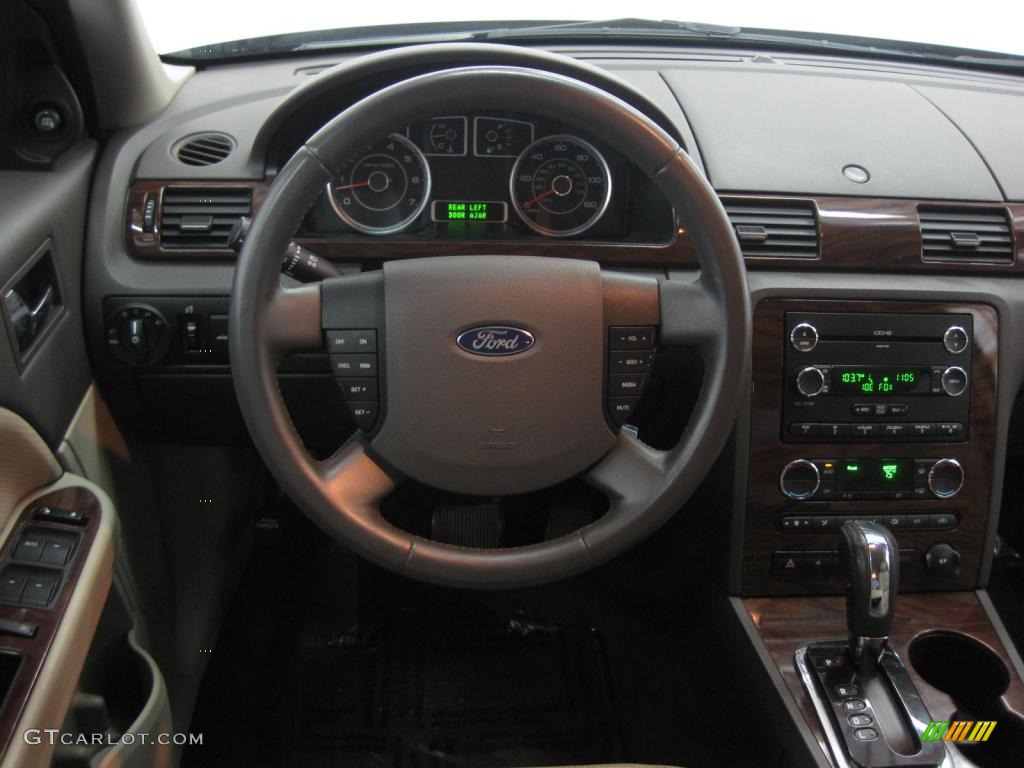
<point>354,186</point>
<point>538,198</point>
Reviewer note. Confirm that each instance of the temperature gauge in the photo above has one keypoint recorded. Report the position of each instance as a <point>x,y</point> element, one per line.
<point>444,136</point>
<point>500,137</point>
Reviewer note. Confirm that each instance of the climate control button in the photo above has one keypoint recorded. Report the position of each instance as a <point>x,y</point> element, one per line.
<point>800,479</point>
<point>945,478</point>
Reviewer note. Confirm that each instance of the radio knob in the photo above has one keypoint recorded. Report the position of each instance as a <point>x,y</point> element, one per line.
<point>803,337</point>
<point>946,478</point>
<point>810,381</point>
<point>954,381</point>
<point>799,479</point>
<point>955,340</point>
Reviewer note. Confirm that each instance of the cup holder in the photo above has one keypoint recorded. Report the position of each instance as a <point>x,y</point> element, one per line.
<point>971,674</point>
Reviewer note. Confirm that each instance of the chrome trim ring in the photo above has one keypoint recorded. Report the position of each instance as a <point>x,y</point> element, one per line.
<point>931,473</point>
<point>798,496</point>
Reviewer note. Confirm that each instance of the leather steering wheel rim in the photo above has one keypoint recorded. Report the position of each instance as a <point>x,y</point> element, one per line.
<point>342,494</point>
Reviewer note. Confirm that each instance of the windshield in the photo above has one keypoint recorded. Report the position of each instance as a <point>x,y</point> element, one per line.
<point>983,25</point>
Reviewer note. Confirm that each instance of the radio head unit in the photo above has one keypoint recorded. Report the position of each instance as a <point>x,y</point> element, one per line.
<point>863,377</point>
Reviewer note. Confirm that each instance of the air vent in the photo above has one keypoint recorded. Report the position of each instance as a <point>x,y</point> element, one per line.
<point>199,218</point>
<point>787,230</point>
<point>204,149</point>
<point>977,235</point>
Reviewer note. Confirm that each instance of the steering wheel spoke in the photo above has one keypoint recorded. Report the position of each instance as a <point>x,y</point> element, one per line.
<point>293,320</point>
<point>628,472</point>
<point>692,315</point>
<point>352,477</point>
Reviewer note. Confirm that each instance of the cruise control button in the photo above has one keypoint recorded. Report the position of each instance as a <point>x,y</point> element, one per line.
<point>621,408</point>
<point>630,362</point>
<point>630,338</point>
<point>365,414</point>
<point>626,384</point>
<point>354,365</point>
<point>358,389</point>
<point>363,341</point>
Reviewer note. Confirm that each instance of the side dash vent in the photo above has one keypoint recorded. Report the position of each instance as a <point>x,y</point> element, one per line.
<point>201,219</point>
<point>204,149</point>
<point>784,230</point>
<point>966,235</point>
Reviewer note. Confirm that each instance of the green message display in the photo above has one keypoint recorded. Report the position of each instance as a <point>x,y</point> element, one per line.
<point>470,210</point>
<point>878,380</point>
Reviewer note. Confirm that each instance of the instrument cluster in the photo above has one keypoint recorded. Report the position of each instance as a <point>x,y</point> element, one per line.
<point>480,176</point>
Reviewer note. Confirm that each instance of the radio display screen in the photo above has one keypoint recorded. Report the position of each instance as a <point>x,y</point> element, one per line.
<point>880,380</point>
<point>874,475</point>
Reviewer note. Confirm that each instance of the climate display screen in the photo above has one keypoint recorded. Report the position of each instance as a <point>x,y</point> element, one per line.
<point>874,475</point>
<point>880,380</point>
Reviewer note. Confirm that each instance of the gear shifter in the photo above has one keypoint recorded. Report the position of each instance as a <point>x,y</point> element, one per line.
<point>870,559</point>
<point>870,711</point>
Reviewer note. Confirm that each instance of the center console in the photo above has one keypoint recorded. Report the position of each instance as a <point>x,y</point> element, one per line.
<point>880,411</point>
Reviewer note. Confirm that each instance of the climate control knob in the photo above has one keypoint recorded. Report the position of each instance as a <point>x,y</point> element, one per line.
<point>800,479</point>
<point>954,381</point>
<point>810,382</point>
<point>945,478</point>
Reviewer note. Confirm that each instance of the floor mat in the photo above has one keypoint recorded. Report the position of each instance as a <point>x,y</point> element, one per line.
<point>436,688</point>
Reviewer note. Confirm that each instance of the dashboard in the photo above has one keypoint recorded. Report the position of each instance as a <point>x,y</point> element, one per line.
<point>867,198</point>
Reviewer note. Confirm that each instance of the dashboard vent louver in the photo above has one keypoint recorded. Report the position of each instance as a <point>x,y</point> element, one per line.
<point>976,235</point>
<point>786,230</point>
<point>200,218</point>
<point>204,149</point>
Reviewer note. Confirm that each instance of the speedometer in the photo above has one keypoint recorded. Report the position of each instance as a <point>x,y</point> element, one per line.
<point>384,190</point>
<point>560,186</point>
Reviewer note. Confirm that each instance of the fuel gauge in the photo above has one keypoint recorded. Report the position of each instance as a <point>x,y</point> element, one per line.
<point>501,137</point>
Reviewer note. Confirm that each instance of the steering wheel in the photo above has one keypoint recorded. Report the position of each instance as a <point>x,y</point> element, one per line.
<point>490,425</point>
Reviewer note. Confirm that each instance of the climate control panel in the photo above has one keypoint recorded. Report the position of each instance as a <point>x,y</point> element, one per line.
<point>871,479</point>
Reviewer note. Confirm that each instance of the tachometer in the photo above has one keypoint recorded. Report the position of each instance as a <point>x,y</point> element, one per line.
<point>384,190</point>
<point>560,186</point>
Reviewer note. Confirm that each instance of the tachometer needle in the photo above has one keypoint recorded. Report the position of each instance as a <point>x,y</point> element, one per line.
<point>538,198</point>
<point>354,186</point>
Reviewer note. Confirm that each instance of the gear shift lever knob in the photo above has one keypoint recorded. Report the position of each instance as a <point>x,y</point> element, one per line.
<point>870,558</point>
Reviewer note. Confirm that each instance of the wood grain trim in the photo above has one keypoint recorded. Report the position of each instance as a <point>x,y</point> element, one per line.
<point>857,234</point>
<point>787,623</point>
<point>768,455</point>
<point>34,650</point>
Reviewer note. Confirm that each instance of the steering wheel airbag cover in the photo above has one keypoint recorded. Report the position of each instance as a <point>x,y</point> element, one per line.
<point>494,425</point>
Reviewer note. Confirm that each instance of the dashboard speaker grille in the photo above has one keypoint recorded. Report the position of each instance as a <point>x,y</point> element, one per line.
<point>973,235</point>
<point>204,149</point>
<point>198,218</point>
<point>786,230</point>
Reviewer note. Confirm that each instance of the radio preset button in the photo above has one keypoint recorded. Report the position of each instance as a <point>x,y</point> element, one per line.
<point>804,430</point>
<point>954,381</point>
<point>955,340</point>
<point>804,337</point>
<point>810,382</point>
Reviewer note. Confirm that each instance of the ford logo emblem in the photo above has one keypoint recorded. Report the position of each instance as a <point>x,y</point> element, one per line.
<point>495,340</point>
